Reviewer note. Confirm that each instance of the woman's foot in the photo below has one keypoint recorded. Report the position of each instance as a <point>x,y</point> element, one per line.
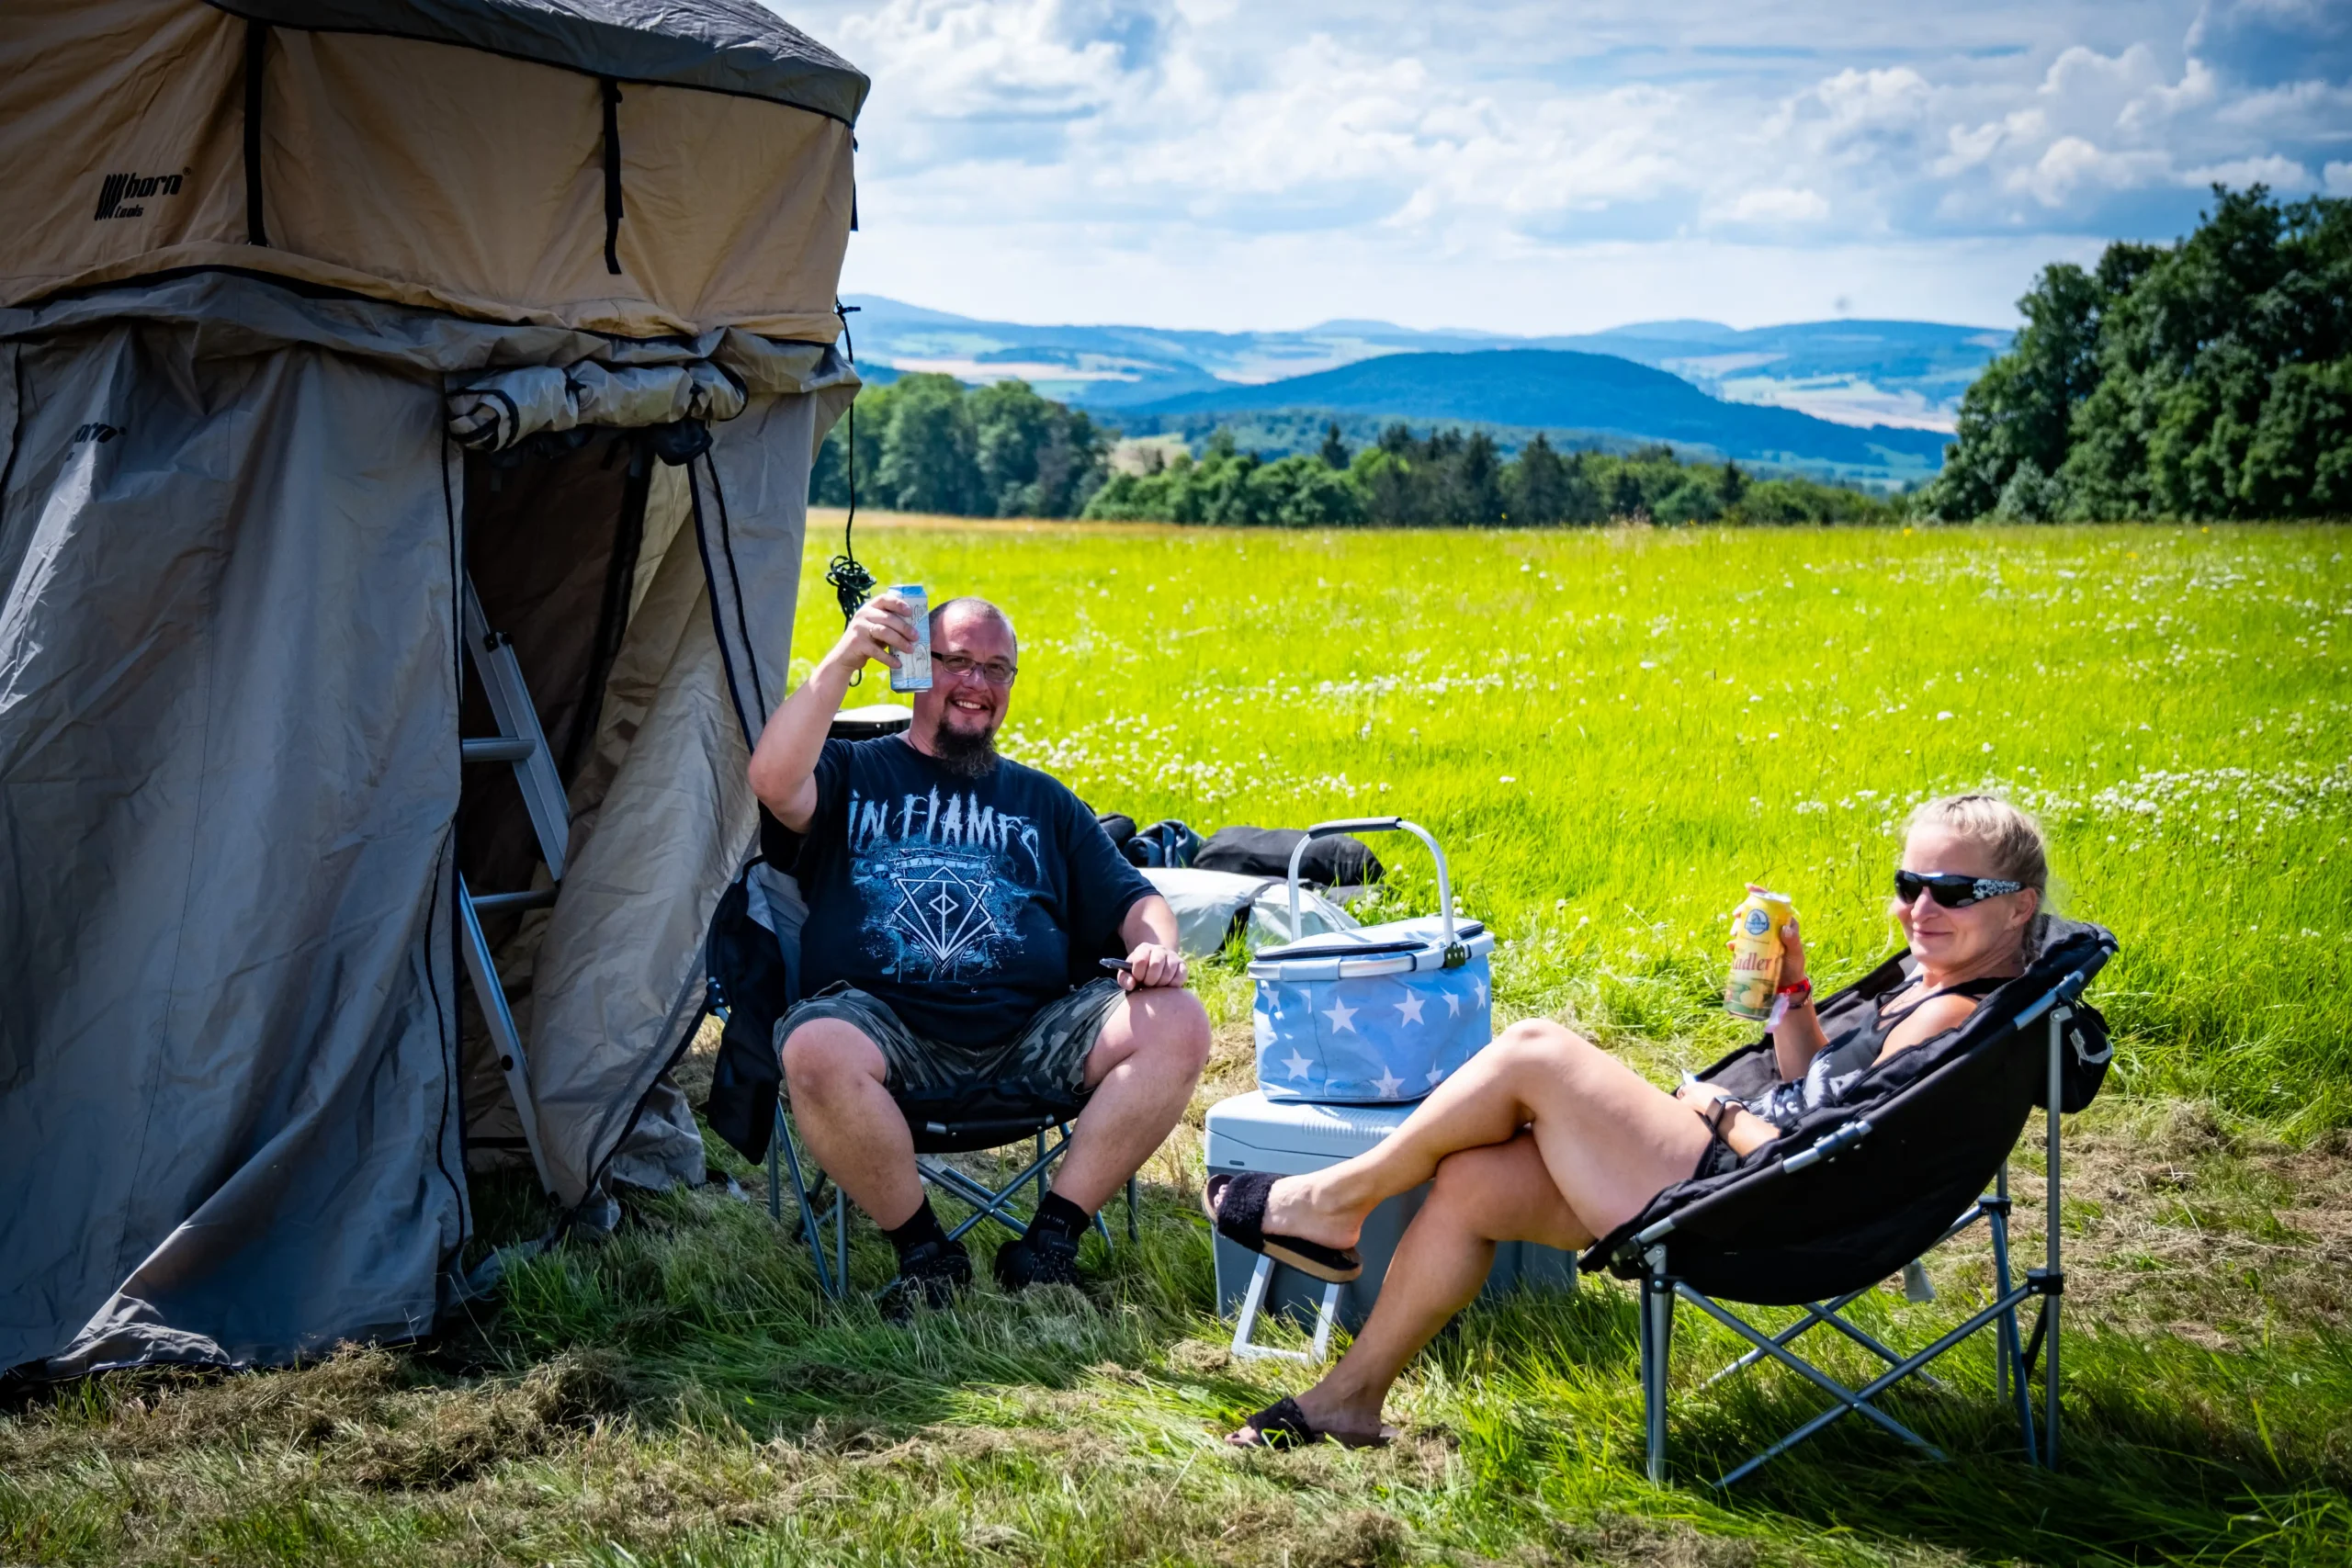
<point>1236,1204</point>
<point>1314,1416</point>
<point>1295,1207</point>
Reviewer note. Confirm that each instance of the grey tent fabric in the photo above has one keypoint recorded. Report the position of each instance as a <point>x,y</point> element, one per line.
<point>751,510</point>
<point>228,1129</point>
<point>252,315</point>
<point>727,45</point>
<point>613,1000</point>
<point>230,1103</point>
<point>494,413</point>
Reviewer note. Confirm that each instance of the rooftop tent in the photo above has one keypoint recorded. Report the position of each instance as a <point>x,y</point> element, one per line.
<point>406,413</point>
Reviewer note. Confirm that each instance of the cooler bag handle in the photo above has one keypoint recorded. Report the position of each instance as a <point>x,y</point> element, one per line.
<point>1455,953</point>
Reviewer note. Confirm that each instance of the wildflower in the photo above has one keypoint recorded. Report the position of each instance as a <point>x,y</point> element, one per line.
<point>1944,713</point>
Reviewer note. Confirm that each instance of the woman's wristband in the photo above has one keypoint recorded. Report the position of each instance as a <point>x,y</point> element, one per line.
<point>1798,994</point>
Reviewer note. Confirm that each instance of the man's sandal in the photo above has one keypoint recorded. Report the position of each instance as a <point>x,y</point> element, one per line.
<point>1240,1218</point>
<point>1283,1425</point>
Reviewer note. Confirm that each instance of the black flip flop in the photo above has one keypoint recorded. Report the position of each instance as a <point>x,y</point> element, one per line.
<point>1283,1425</point>
<point>1241,1219</point>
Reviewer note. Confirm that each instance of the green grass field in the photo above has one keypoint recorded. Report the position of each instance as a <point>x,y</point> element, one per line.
<point>1611,732</point>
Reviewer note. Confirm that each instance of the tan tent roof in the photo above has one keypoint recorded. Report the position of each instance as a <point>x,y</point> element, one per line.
<point>716,45</point>
<point>639,167</point>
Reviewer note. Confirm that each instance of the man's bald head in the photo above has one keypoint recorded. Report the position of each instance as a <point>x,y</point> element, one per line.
<point>970,607</point>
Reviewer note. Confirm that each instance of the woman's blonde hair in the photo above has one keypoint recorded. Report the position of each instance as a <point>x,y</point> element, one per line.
<point>2020,851</point>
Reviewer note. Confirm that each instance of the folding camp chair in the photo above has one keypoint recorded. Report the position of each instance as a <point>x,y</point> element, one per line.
<point>985,1117</point>
<point>754,973</point>
<point>1859,1190</point>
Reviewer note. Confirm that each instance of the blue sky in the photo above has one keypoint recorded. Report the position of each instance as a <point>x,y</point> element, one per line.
<point>1522,168</point>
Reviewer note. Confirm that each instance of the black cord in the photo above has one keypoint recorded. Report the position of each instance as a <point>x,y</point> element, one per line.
<point>851,583</point>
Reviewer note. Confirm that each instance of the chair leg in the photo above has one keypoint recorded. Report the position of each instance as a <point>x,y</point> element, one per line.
<point>833,1285</point>
<point>1131,1211</point>
<point>2054,1283</point>
<point>2009,1353</point>
<point>775,1183</point>
<point>1657,1346</point>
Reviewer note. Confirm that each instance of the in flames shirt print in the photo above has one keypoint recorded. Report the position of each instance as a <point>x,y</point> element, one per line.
<point>964,904</point>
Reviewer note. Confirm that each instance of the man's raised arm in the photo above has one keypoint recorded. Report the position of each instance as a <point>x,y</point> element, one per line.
<point>783,764</point>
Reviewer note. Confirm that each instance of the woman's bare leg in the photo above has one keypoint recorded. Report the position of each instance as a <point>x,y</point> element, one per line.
<point>1479,1197</point>
<point>1609,1138</point>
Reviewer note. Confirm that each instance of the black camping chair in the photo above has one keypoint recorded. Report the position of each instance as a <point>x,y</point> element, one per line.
<point>1860,1189</point>
<point>752,981</point>
<point>968,1120</point>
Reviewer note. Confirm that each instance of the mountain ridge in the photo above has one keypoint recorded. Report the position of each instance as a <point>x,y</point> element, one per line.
<point>1568,393</point>
<point>1861,374</point>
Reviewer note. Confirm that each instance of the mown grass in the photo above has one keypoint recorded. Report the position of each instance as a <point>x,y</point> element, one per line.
<point>679,1393</point>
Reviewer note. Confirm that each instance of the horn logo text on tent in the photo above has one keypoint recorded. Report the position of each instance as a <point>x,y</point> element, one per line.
<point>119,195</point>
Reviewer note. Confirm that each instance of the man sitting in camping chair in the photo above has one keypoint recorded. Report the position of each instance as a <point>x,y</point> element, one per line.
<point>960,910</point>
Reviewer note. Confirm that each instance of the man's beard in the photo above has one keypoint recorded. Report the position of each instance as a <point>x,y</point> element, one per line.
<point>965,755</point>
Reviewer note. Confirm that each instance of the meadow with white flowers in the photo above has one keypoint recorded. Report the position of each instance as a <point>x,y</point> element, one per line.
<point>1611,730</point>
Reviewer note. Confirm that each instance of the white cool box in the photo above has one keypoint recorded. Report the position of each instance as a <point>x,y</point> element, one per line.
<point>1252,1133</point>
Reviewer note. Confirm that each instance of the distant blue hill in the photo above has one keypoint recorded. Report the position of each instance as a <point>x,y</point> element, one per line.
<point>1571,394</point>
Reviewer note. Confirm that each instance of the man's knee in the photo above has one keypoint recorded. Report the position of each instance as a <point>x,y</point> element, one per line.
<point>825,1056</point>
<point>1172,1025</point>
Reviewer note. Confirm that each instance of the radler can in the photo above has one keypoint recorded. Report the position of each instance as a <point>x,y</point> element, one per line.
<point>1756,955</point>
<point>913,673</point>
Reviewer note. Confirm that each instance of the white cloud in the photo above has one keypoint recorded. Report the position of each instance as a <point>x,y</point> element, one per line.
<point>1126,139</point>
<point>2338,179</point>
<point>2070,163</point>
<point>1778,204</point>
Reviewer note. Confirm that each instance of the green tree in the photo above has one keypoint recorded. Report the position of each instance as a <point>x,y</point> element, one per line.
<point>1334,451</point>
<point>2196,380</point>
<point>1539,485</point>
<point>1474,487</point>
<point>930,456</point>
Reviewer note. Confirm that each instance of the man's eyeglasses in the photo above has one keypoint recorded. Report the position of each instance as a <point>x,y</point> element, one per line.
<point>955,666</point>
<point>1952,889</point>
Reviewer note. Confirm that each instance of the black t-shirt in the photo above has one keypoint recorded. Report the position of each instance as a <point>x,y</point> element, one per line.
<point>965,904</point>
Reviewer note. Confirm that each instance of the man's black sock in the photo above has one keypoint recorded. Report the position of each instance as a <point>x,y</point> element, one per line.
<point>1059,1216</point>
<point>920,1227</point>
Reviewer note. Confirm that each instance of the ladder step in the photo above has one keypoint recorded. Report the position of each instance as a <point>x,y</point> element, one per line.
<point>503,903</point>
<point>497,749</point>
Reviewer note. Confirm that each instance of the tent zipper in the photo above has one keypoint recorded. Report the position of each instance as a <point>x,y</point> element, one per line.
<point>256,45</point>
<point>611,93</point>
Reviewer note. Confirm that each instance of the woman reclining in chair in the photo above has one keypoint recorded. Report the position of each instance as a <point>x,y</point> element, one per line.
<point>1545,1137</point>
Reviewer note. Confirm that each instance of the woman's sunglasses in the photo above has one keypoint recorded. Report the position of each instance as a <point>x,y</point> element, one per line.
<point>1952,889</point>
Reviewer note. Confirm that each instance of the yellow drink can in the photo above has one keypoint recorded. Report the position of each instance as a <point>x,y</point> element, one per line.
<point>1756,955</point>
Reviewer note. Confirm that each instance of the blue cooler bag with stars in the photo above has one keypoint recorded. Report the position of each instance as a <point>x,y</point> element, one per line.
<point>1381,1014</point>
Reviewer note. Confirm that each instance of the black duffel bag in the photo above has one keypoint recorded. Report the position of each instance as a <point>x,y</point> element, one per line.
<point>1336,862</point>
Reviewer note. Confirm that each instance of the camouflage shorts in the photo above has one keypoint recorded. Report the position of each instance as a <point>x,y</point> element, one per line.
<point>1046,1057</point>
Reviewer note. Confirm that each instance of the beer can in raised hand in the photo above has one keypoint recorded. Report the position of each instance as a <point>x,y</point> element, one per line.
<point>913,673</point>
<point>1756,955</point>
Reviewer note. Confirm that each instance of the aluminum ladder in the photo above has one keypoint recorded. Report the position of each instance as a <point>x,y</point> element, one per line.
<point>522,743</point>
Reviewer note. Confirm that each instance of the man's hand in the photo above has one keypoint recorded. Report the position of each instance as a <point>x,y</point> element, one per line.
<point>883,628</point>
<point>1151,965</point>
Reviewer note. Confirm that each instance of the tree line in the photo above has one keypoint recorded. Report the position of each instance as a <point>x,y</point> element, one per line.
<point>1449,478</point>
<point>2204,380</point>
<point>927,442</point>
